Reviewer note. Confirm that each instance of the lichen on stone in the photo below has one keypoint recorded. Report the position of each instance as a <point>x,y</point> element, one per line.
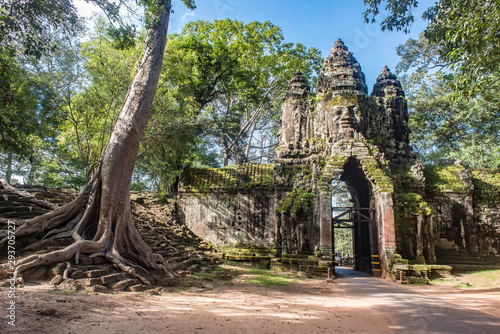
<point>375,174</point>
<point>301,198</point>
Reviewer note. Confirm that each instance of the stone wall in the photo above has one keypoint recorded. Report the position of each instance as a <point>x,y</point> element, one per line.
<point>455,217</point>
<point>230,205</point>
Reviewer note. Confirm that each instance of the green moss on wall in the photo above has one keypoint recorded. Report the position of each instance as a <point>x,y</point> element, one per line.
<point>247,177</point>
<point>375,174</point>
<point>486,186</point>
<point>343,100</point>
<point>318,143</point>
<point>405,177</point>
<point>336,162</point>
<point>444,178</point>
<point>301,198</point>
<point>411,203</point>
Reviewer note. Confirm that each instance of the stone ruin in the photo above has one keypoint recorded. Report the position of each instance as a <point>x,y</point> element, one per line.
<point>401,209</point>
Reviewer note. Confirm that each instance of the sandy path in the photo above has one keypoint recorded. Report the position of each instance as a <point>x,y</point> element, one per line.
<point>355,303</point>
<point>308,307</point>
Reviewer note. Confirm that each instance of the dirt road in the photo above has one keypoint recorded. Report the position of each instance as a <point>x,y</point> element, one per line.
<point>423,309</point>
<point>355,303</point>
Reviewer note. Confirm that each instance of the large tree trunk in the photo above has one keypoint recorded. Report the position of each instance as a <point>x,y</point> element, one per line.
<point>8,172</point>
<point>102,211</point>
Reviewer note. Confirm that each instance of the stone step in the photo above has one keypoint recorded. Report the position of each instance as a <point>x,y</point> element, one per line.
<point>179,258</point>
<point>111,278</point>
<point>8,197</point>
<point>11,202</point>
<point>123,285</point>
<point>76,274</point>
<point>193,268</point>
<point>138,288</point>
<point>98,289</point>
<point>12,208</point>
<point>97,273</point>
<point>165,254</point>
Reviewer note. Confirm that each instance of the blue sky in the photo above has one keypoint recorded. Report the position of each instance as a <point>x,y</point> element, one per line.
<point>314,23</point>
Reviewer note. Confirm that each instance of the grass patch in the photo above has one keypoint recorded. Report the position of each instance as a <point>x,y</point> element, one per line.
<point>268,278</point>
<point>481,279</point>
<point>232,272</point>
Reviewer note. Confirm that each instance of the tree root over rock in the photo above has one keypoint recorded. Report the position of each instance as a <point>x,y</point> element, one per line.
<point>110,233</point>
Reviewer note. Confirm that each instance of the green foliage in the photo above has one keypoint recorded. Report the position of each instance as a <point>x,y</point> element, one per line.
<point>53,173</point>
<point>344,242</point>
<point>400,13</point>
<point>462,36</point>
<point>28,24</point>
<point>445,128</point>
<point>236,73</point>
<point>30,105</point>
<point>56,114</point>
<point>467,34</point>
<point>19,102</point>
<point>91,113</point>
<point>215,77</point>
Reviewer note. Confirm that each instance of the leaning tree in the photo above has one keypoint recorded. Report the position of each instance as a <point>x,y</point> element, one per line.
<point>99,219</point>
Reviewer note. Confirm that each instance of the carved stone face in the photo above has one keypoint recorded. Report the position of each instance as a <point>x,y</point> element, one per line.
<point>294,113</point>
<point>341,122</point>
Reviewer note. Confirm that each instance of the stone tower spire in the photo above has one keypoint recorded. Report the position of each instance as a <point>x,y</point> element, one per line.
<point>342,95</point>
<point>297,87</point>
<point>388,123</point>
<point>387,80</point>
<point>341,72</point>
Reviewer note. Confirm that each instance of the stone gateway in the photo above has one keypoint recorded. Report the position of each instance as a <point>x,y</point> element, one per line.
<point>400,208</point>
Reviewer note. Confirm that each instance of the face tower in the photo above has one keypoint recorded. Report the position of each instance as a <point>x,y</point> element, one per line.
<point>340,133</point>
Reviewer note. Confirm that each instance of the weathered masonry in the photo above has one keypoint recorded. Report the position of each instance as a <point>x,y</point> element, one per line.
<point>442,213</point>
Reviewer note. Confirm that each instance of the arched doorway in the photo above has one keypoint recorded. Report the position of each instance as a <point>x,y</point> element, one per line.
<point>359,216</point>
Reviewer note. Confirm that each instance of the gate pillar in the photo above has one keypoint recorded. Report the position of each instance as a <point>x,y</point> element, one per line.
<point>325,203</point>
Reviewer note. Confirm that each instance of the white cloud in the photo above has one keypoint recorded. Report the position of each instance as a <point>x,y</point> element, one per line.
<point>177,25</point>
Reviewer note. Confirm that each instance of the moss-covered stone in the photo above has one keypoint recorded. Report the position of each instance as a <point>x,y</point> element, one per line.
<point>411,203</point>
<point>375,174</point>
<point>349,99</point>
<point>231,178</point>
<point>444,178</point>
<point>301,198</point>
<point>486,186</point>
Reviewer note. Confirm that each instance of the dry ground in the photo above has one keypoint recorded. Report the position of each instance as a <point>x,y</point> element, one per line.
<point>247,301</point>
<point>305,307</point>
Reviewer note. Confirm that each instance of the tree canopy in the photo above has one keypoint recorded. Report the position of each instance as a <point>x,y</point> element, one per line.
<point>451,77</point>
<point>466,35</point>
<point>223,81</point>
<point>218,98</point>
